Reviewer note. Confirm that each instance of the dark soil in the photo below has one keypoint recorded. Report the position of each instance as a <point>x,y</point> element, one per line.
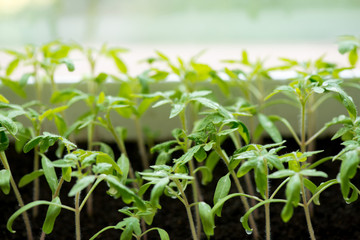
<point>333,219</point>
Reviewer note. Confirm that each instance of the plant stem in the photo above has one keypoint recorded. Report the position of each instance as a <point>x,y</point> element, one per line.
<point>121,147</point>
<point>36,196</point>
<point>240,190</point>
<point>77,216</point>
<point>267,205</point>
<point>25,216</point>
<point>141,143</point>
<point>307,212</point>
<point>188,210</point>
<point>195,185</point>
<point>303,130</point>
<point>248,182</point>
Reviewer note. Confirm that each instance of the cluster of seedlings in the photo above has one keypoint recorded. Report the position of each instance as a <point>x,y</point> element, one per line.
<point>196,150</point>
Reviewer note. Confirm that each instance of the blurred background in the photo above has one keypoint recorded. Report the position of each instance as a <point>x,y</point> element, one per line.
<point>270,27</point>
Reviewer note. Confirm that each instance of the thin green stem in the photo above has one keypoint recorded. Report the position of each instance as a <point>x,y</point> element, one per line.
<point>195,184</point>
<point>91,191</point>
<point>36,187</point>
<point>141,143</point>
<point>25,216</point>
<point>249,185</point>
<point>278,188</point>
<point>245,202</point>
<point>313,137</point>
<point>121,146</point>
<point>267,205</point>
<point>77,216</point>
<point>303,130</point>
<point>188,209</point>
<point>307,211</point>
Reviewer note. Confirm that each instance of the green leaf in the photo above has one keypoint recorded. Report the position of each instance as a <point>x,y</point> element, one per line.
<point>3,99</point>
<point>207,219</point>
<point>4,141</point>
<point>270,128</point>
<point>104,158</point>
<point>188,155</point>
<point>282,173</point>
<point>124,164</point>
<point>51,215</point>
<point>292,193</point>
<point>69,64</point>
<point>9,124</point>
<point>105,148</point>
<point>222,190</point>
<point>119,64</point>
<point>24,79</point>
<point>157,191</point>
<point>50,174</point>
<point>5,181</point>
<point>206,174</point>
<point>313,173</point>
<point>200,155</point>
<point>245,168</point>
<point>28,178</point>
<point>132,226</point>
<point>353,57</point>
<point>176,109</point>
<point>81,184</point>
<point>125,190</point>
<point>261,177</point>
<point>27,207</point>
<point>346,100</point>
<point>163,234</point>
<point>14,86</point>
<point>348,169</point>
<point>12,66</point>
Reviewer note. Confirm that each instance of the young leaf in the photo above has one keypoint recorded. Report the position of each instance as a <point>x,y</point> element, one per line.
<point>207,219</point>
<point>163,234</point>
<point>222,190</point>
<point>81,184</point>
<point>125,190</point>
<point>347,171</point>
<point>28,178</point>
<point>5,181</point>
<point>69,64</point>
<point>51,215</point>
<point>157,191</point>
<point>270,128</point>
<point>4,141</point>
<point>50,174</point>
<point>293,197</point>
<point>9,124</point>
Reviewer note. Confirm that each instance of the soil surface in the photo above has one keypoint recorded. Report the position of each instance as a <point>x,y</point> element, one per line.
<point>333,219</point>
